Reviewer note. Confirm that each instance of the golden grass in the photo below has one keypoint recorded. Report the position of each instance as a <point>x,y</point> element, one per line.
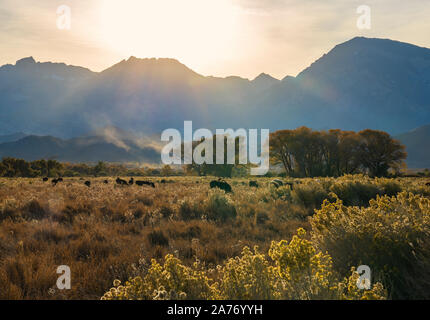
<point>109,232</point>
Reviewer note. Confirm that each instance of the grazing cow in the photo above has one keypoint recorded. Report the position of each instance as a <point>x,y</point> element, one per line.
<point>163,181</point>
<point>131,181</point>
<point>45,179</point>
<point>428,184</point>
<point>121,182</point>
<point>142,183</point>
<point>55,181</point>
<point>106,181</point>
<point>277,183</point>
<point>88,183</point>
<point>221,184</point>
<point>253,183</point>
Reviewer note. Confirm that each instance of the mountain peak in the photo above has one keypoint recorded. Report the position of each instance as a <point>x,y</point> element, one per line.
<point>265,81</point>
<point>25,61</point>
<point>167,68</point>
<point>265,77</point>
<point>133,59</point>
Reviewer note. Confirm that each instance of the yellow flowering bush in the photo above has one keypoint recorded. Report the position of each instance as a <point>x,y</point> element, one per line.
<point>172,280</point>
<point>391,236</point>
<point>248,277</point>
<point>348,290</point>
<point>304,272</point>
<point>298,272</point>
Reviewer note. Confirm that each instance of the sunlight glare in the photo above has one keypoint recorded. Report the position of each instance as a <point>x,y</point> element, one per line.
<point>187,30</point>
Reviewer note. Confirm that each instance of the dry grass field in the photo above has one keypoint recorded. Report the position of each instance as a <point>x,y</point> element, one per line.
<point>107,232</point>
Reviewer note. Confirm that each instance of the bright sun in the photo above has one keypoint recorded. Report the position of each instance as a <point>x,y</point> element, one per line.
<point>184,29</point>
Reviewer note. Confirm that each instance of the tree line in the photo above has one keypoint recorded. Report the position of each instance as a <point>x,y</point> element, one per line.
<point>302,153</point>
<point>307,153</point>
<point>12,167</point>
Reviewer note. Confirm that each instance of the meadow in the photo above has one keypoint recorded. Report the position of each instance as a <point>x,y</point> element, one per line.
<point>183,240</point>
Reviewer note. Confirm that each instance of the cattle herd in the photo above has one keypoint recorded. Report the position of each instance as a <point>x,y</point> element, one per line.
<point>220,183</point>
<point>118,181</point>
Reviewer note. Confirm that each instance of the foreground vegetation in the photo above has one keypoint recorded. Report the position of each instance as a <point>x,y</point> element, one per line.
<point>183,240</point>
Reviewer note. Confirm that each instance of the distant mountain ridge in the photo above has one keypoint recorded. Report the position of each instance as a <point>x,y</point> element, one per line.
<point>12,137</point>
<point>361,83</point>
<point>107,144</point>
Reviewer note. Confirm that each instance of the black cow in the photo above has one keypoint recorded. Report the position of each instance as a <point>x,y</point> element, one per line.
<point>253,183</point>
<point>131,181</point>
<point>55,181</point>
<point>147,183</point>
<point>163,181</point>
<point>428,184</point>
<point>106,181</point>
<point>45,179</point>
<point>221,184</point>
<point>121,182</point>
<point>88,183</point>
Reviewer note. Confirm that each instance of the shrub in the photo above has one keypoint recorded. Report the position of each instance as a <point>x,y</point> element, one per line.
<point>282,192</point>
<point>171,280</point>
<point>299,272</point>
<point>355,192</point>
<point>389,187</point>
<point>248,277</point>
<point>261,218</point>
<point>219,207</point>
<point>34,211</point>
<point>310,196</point>
<point>157,237</point>
<point>188,210</point>
<point>392,236</point>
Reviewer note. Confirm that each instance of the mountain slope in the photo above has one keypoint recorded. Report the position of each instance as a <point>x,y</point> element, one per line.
<point>417,144</point>
<point>12,137</point>
<point>109,145</point>
<point>362,83</point>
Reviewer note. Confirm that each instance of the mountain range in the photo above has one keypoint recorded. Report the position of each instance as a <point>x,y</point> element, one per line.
<point>108,144</point>
<point>362,83</point>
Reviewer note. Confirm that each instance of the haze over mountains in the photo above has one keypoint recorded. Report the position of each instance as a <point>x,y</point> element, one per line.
<point>110,144</point>
<point>362,83</point>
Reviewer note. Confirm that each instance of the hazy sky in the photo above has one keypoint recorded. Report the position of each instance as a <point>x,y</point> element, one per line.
<point>212,37</point>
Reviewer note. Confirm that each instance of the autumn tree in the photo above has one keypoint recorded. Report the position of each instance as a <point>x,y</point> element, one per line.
<point>100,169</point>
<point>282,149</point>
<point>307,153</point>
<point>166,170</point>
<point>214,168</point>
<point>380,152</point>
<point>17,168</point>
